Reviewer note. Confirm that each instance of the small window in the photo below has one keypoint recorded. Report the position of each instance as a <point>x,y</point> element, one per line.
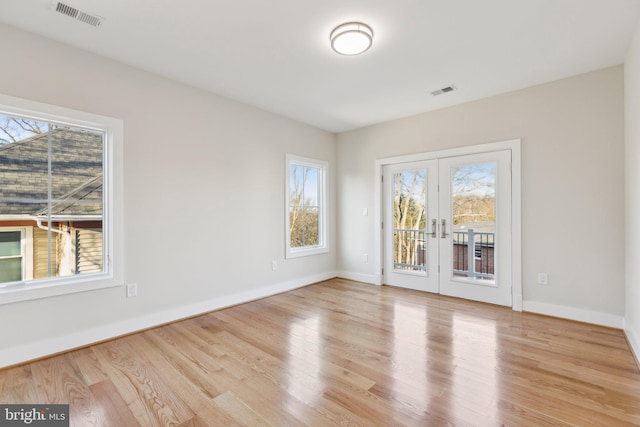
<point>57,205</point>
<point>306,206</point>
<point>15,252</point>
<point>11,256</point>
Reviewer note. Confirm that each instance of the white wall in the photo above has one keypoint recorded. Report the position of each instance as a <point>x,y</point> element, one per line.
<point>204,197</point>
<point>632,155</point>
<point>572,135</point>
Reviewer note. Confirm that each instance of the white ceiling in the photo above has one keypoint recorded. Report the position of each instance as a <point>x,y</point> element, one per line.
<point>275,54</point>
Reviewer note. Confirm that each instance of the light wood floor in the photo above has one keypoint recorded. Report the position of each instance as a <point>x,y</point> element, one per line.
<point>348,354</point>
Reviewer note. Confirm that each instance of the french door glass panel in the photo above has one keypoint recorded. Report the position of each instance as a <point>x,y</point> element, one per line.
<point>411,255</point>
<point>409,220</point>
<point>473,221</point>
<point>450,226</point>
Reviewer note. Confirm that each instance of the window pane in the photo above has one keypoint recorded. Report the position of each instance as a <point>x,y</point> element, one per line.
<point>9,243</point>
<point>76,172</point>
<point>304,227</point>
<point>304,196</point>
<point>303,182</point>
<point>310,226</point>
<point>474,221</point>
<point>76,203</point>
<point>55,174</point>
<point>10,270</point>
<point>474,194</point>
<point>311,189</point>
<point>409,220</point>
<point>23,166</point>
<point>296,185</point>
<point>296,237</point>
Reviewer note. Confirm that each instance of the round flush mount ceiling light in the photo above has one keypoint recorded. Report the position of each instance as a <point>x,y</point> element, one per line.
<point>351,38</point>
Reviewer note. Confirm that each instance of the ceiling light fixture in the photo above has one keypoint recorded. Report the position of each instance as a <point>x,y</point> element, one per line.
<point>351,38</point>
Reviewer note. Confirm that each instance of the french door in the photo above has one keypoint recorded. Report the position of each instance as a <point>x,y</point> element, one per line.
<point>447,226</point>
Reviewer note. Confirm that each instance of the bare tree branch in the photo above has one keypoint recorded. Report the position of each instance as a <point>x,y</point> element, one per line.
<point>16,129</point>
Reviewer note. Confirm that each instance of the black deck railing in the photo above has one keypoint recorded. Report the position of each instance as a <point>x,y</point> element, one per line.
<point>472,252</point>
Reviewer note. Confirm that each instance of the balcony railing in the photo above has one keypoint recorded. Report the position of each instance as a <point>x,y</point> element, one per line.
<point>472,252</point>
<point>410,250</point>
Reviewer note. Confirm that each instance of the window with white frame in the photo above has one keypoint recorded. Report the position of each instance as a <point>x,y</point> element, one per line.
<point>15,244</point>
<point>56,199</point>
<point>306,219</point>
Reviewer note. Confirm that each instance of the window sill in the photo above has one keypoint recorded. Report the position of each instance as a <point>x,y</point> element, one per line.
<point>297,253</point>
<point>28,291</point>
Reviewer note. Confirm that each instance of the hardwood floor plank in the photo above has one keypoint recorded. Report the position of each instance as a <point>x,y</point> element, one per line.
<point>21,393</point>
<point>13,377</point>
<point>516,414</point>
<point>89,366</point>
<point>342,353</point>
<point>112,411</point>
<point>54,377</point>
<point>239,410</point>
<point>59,380</point>
<point>151,399</point>
<point>198,421</point>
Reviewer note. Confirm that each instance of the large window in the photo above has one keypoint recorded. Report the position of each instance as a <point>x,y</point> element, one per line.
<point>56,200</point>
<point>306,206</point>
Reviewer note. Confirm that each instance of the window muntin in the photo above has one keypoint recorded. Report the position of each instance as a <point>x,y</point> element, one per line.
<point>305,206</point>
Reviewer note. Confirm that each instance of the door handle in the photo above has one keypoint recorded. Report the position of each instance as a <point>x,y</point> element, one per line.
<point>443,229</point>
<point>434,228</point>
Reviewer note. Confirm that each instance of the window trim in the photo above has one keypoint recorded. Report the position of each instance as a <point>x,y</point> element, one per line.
<point>323,235</point>
<point>113,209</point>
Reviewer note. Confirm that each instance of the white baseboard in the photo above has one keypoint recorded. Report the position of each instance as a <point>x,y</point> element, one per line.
<point>360,277</point>
<point>572,313</point>
<point>36,350</point>
<point>633,337</point>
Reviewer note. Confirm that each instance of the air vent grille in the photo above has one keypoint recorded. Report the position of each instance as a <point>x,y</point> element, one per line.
<point>65,9</point>
<point>447,89</point>
<point>79,15</point>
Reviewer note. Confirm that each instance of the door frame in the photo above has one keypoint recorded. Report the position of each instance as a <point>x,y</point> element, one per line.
<point>514,145</point>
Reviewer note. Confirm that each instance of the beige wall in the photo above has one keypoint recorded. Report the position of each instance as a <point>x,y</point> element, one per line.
<point>632,155</point>
<point>204,192</point>
<point>572,136</point>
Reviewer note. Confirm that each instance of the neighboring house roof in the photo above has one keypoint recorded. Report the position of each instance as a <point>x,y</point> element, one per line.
<point>76,169</point>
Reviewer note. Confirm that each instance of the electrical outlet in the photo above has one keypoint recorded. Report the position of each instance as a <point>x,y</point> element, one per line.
<point>365,258</point>
<point>543,279</point>
<point>365,212</point>
<point>132,290</point>
<point>274,265</point>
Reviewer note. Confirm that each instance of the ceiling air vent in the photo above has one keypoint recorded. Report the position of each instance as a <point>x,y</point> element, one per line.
<point>447,89</point>
<point>79,15</point>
